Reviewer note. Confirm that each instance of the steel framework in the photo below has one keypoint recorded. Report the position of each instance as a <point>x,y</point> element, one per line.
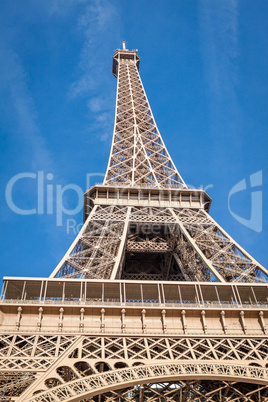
<point>153,301</point>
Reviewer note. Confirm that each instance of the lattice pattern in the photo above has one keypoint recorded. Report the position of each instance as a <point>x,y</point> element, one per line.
<point>138,156</point>
<point>142,241</point>
<point>189,246</point>
<point>25,356</point>
<point>165,251</point>
<point>226,256</point>
<point>151,215</point>
<point>13,384</point>
<point>156,249</point>
<point>75,358</point>
<point>99,383</point>
<point>190,391</point>
<point>136,349</point>
<point>38,346</point>
<point>96,248</point>
<point>112,213</point>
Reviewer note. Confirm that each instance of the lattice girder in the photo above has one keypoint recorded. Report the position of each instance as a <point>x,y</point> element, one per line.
<point>89,333</point>
<point>85,357</point>
<point>138,154</point>
<point>184,391</point>
<point>225,255</point>
<point>199,248</point>
<point>96,384</point>
<point>94,251</point>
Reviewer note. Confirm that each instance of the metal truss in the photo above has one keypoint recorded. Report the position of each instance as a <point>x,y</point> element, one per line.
<point>138,155</point>
<point>156,243</point>
<point>93,253</point>
<point>154,341</point>
<point>224,258</point>
<point>144,237</point>
<point>53,364</point>
<point>92,385</point>
<point>38,352</point>
<point>186,391</point>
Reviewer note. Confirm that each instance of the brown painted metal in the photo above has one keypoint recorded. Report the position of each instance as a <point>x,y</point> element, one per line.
<point>153,300</point>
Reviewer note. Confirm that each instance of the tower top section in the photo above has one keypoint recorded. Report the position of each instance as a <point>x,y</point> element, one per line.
<point>138,155</point>
<point>125,55</point>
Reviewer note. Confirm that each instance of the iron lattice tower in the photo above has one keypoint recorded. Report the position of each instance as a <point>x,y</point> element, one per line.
<point>153,301</point>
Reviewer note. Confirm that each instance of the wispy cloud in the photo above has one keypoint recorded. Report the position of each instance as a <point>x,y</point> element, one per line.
<point>219,46</point>
<point>14,82</point>
<point>62,6</point>
<point>96,104</point>
<point>94,23</point>
<point>99,18</point>
<point>219,43</point>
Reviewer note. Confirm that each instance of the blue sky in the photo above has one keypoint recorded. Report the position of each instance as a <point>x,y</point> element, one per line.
<point>204,66</point>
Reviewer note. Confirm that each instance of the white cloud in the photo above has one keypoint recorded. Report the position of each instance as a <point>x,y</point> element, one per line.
<point>63,6</point>
<point>98,19</point>
<point>94,23</point>
<point>219,43</point>
<point>14,82</point>
<point>95,104</point>
<point>219,52</point>
<point>82,87</point>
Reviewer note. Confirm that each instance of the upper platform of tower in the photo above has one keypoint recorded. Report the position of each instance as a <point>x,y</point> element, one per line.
<point>121,55</point>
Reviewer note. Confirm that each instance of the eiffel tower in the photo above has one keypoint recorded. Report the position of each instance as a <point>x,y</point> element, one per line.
<point>153,301</point>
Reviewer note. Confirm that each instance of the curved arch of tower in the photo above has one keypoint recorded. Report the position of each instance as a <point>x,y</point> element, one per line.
<point>153,301</point>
